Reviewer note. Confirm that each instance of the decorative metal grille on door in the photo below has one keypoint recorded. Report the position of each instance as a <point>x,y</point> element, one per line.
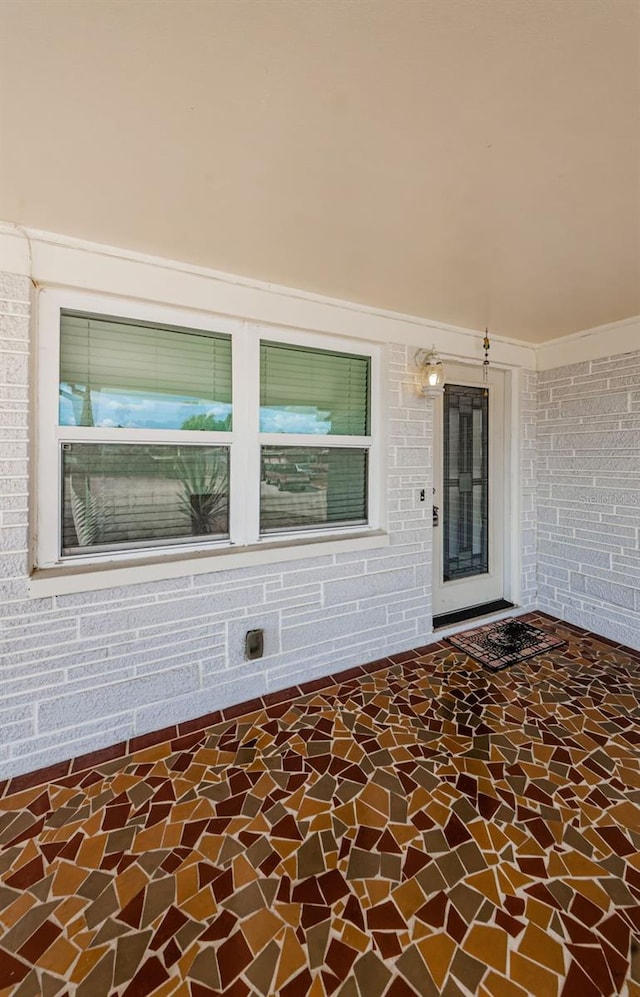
<point>466,482</point>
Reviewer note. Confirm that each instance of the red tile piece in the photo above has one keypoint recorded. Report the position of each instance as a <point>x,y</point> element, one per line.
<point>29,874</point>
<point>455,925</point>
<point>434,911</point>
<point>148,978</point>
<point>577,982</point>
<point>233,956</point>
<point>384,917</point>
<point>340,958</point>
<point>12,970</point>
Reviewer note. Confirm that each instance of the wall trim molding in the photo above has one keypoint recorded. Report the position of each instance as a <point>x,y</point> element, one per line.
<point>55,260</point>
<point>613,339</point>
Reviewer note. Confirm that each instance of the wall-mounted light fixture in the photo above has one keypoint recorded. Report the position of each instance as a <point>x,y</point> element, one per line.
<point>430,378</point>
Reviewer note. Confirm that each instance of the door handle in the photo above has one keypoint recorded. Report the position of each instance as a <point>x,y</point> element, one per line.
<point>436,516</point>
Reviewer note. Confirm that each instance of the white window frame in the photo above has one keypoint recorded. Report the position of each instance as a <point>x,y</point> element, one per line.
<point>244,440</point>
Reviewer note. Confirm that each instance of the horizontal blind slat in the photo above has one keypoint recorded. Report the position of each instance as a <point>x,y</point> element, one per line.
<point>103,360</point>
<point>311,488</point>
<point>333,388</point>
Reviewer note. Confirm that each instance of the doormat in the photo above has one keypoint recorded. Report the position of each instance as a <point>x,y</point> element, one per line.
<point>498,645</point>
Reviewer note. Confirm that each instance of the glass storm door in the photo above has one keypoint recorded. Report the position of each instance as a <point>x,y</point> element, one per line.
<point>468,491</point>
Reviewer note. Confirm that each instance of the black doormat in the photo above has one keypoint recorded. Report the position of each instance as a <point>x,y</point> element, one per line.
<point>498,645</point>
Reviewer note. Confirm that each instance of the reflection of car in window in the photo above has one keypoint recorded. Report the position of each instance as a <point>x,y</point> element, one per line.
<point>301,471</point>
<point>289,477</point>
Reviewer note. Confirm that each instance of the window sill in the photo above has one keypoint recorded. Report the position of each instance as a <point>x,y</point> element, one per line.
<point>92,577</point>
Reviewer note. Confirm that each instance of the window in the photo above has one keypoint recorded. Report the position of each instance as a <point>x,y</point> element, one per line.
<point>205,435</point>
<point>321,394</point>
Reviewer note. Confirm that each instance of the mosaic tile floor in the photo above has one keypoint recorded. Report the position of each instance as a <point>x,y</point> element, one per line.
<point>421,827</point>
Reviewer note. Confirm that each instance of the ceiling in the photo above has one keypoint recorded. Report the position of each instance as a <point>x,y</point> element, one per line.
<point>474,162</point>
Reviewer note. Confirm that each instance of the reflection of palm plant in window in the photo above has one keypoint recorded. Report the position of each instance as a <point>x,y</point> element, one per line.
<point>90,517</point>
<point>203,491</point>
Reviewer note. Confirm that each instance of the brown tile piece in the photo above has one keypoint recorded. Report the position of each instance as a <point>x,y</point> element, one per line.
<point>98,983</point>
<point>412,967</point>
<point>245,901</point>
<point>129,952</point>
<point>204,969</point>
<point>30,986</point>
<point>260,972</point>
<point>310,857</point>
<point>50,985</point>
<point>371,974</point>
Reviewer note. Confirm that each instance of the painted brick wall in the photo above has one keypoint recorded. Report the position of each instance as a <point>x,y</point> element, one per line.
<point>589,495</point>
<point>79,672</point>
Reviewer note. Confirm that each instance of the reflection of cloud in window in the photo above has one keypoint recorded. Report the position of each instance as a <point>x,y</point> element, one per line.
<point>111,410</point>
<point>274,420</point>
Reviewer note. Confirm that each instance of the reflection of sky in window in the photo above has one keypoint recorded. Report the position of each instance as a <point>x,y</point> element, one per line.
<point>126,411</point>
<point>294,420</point>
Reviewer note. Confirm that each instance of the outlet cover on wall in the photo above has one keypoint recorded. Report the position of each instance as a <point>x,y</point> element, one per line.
<point>254,644</point>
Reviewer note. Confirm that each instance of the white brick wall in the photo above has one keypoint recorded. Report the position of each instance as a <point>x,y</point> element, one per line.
<point>589,495</point>
<point>529,477</point>
<point>79,672</point>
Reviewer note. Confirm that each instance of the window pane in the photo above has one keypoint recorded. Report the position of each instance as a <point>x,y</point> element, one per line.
<point>130,375</point>
<point>119,496</point>
<point>313,391</point>
<point>466,482</point>
<point>312,487</point>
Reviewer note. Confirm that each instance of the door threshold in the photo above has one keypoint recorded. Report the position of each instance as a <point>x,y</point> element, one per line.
<point>470,613</point>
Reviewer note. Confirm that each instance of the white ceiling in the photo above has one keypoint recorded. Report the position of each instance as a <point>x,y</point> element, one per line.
<point>475,162</point>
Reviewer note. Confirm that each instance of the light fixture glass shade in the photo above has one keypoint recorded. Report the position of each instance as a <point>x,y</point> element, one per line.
<point>430,372</point>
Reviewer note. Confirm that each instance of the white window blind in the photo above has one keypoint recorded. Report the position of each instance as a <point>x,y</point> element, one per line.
<point>125,496</point>
<point>310,488</point>
<point>115,373</point>
<point>304,390</point>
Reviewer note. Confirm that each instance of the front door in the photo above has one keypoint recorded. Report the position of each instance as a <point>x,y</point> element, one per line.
<point>470,522</point>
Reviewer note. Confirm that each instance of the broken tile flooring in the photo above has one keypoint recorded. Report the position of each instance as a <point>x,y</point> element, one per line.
<point>416,827</point>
